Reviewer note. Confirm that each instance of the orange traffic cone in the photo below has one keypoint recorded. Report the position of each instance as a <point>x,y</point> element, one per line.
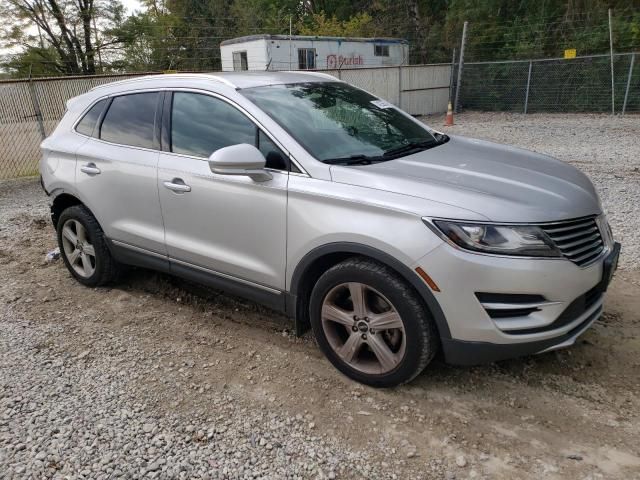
<point>449,120</point>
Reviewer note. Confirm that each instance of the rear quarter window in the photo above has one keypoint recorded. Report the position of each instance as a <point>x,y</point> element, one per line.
<point>88,123</point>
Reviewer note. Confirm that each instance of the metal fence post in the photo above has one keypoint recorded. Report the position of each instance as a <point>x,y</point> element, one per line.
<point>626,92</point>
<point>526,95</point>
<point>613,93</point>
<point>451,73</point>
<point>460,64</point>
<point>36,106</point>
<point>400,87</point>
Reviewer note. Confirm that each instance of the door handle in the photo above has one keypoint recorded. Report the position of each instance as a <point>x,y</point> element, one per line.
<point>177,185</point>
<point>90,169</point>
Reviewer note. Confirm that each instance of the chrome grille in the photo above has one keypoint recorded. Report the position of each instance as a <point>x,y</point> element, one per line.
<point>579,240</point>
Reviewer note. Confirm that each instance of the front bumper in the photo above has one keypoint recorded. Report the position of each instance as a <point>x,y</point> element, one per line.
<point>461,352</point>
<point>571,300</point>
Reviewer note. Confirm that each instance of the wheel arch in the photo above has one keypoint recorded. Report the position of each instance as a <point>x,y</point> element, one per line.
<point>320,259</point>
<point>61,202</point>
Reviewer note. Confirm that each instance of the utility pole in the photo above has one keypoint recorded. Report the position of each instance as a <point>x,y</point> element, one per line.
<point>460,65</point>
<point>613,93</point>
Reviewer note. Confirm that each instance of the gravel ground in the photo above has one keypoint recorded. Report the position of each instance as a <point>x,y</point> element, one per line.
<point>157,378</point>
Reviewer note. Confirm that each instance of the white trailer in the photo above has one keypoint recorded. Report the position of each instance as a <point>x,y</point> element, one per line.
<point>281,52</point>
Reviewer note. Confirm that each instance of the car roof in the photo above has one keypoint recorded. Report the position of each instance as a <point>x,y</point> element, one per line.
<point>237,80</point>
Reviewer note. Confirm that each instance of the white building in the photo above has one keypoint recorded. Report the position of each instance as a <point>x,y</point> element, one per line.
<point>281,52</point>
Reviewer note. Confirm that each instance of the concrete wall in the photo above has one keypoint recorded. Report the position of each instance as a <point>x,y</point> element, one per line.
<point>417,89</point>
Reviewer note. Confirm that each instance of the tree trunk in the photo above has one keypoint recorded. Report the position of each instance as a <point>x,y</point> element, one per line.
<point>86,13</point>
<point>72,57</point>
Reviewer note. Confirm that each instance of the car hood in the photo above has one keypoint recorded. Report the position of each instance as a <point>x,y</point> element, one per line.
<point>499,182</point>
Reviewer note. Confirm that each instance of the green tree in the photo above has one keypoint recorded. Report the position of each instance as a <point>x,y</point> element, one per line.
<point>66,27</point>
<point>34,61</point>
<point>359,25</point>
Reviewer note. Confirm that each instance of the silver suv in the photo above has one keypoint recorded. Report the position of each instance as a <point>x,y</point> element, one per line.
<point>389,239</point>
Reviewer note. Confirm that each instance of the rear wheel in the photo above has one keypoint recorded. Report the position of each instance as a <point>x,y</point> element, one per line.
<point>371,324</point>
<point>84,248</point>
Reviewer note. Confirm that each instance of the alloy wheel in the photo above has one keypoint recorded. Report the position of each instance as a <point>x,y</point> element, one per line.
<point>78,249</point>
<point>363,328</point>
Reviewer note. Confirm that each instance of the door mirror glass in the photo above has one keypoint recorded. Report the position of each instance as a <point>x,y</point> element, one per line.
<point>241,159</point>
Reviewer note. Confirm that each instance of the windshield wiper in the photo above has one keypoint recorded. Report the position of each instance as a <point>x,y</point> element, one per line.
<point>353,160</point>
<point>410,147</point>
<point>360,159</point>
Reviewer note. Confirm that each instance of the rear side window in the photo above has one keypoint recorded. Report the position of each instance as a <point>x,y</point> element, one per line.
<point>201,124</point>
<point>130,120</point>
<point>88,122</point>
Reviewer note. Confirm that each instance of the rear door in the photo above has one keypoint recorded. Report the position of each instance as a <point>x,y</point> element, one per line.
<point>221,224</point>
<point>116,171</point>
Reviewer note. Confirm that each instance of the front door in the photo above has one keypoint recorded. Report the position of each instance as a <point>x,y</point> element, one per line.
<point>229,225</point>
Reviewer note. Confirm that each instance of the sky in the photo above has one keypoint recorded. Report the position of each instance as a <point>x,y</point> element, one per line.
<point>131,5</point>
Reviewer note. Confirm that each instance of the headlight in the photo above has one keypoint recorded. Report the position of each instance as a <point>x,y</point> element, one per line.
<point>523,240</point>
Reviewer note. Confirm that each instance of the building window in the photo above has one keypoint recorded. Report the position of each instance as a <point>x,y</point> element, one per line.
<point>381,50</point>
<point>306,58</point>
<point>240,61</point>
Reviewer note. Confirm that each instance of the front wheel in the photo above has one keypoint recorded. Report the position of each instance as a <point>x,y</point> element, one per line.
<point>371,324</point>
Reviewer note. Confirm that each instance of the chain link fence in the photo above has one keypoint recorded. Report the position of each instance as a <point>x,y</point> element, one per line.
<point>581,84</point>
<point>29,112</point>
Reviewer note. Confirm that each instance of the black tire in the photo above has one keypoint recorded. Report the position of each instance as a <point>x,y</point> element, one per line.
<point>420,332</point>
<point>106,268</point>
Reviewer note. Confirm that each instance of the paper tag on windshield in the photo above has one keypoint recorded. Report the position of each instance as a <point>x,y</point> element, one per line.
<point>382,104</point>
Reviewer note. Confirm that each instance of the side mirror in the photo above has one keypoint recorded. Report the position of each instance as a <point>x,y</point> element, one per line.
<point>241,159</point>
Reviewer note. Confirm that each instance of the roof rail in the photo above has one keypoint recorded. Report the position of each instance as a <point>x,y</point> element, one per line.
<point>316,74</point>
<point>209,76</point>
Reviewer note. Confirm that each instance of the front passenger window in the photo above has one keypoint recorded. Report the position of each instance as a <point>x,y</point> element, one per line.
<point>201,124</point>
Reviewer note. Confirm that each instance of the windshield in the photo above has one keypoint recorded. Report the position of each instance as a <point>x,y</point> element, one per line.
<point>338,123</point>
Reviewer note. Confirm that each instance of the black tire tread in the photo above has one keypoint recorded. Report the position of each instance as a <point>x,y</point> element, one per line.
<point>426,326</point>
<point>110,269</point>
